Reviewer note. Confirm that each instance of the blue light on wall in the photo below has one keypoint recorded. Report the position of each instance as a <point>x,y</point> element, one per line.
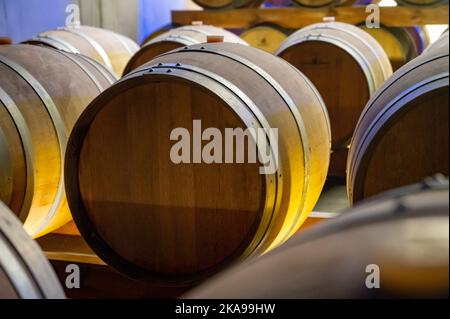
<point>154,14</point>
<point>22,19</point>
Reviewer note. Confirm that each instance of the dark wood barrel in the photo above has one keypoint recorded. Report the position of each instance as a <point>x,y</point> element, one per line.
<point>403,235</point>
<point>421,3</point>
<point>177,38</point>
<point>39,104</point>
<point>109,48</point>
<point>228,4</point>
<point>25,272</point>
<point>156,220</point>
<point>267,37</point>
<point>345,64</point>
<point>402,135</point>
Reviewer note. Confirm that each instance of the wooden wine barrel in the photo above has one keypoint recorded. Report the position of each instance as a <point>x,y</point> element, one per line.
<point>266,37</point>
<point>177,38</point>
<point>403,235</point>
<point>419,36</point>
<point>25,273</point>
<point>345,64</point>
<point>402,135</point>
<point>156,220</point>
<point>39,104</point>
<point>228,4</point>
<point>421,3</point>
<point>398,43</point>
<point>109,48</point>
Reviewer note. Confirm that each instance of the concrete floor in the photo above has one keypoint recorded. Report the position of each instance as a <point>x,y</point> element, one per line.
<point>334,197</point>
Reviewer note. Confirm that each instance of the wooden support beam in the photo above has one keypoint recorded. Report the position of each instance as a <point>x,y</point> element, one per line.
<point>295,18</point>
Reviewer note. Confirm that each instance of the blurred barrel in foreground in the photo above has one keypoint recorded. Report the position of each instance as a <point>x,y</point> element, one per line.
<point>402,135</point>
<point>25,272</point>
<point>345,64</point>
<point>162,217</point>
<point>177,38</point>
<point>399,241</point>
<point>228,4</point>
<point>39,104</point>
<point>109,48</point>
<point>266,37</point>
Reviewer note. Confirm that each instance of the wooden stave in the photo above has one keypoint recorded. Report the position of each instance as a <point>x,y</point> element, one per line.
<point>405,207</point>
<point>355,162</point>
<point>88,230</point>
<point>34,278</point>
<point>30,207</point>
<point>355,42</point>
<point>109,48</point>
<point>231,4</point>
<point>179,37</point>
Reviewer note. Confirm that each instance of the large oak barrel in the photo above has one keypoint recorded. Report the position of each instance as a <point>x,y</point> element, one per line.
<point>228,4</point>
<point>266,37</point>
<point>421,3</point>
<point>156,220</point>
<point>402,135</point>
<point>399,240</point>
<point>109,48</point>
<point>177,38</point>
<point>39,104</point>
<point>345,64</point>
<point>25,273</point>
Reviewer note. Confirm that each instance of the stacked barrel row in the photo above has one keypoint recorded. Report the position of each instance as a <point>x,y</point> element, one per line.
<point>181,222</point>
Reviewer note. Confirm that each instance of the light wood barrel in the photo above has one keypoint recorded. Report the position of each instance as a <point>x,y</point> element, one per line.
<point>109,48</point>
<point>228,4</point>
<point>266,37</point>
<point>177,38</point>
<point>402,135</point>
<point>345,64</point>
<point>398,43</point>
<point>402,235</point>
<point>422,3</point>
<point>39,104</point>
<point>25,273</point>
<point>156,220</point>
